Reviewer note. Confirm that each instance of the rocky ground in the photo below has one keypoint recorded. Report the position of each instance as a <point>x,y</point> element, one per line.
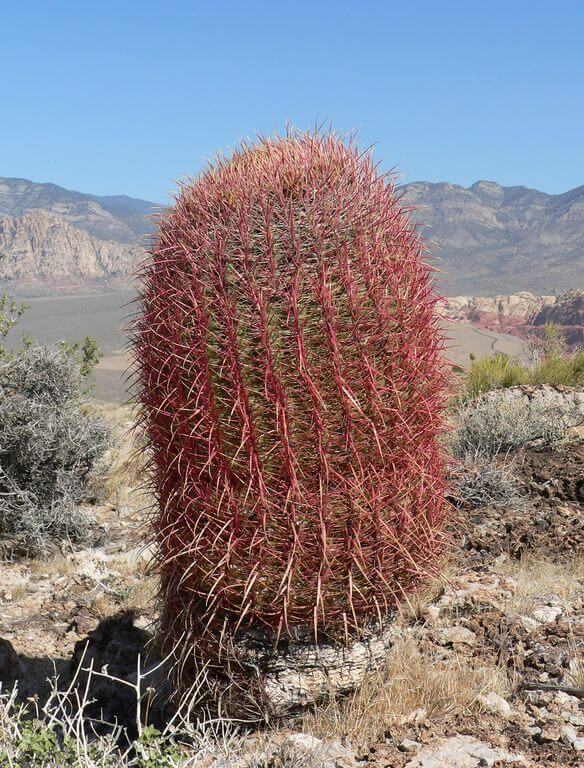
<point>487,666</point>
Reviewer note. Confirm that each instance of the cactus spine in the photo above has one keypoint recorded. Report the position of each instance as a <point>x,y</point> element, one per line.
<point>289,368</point>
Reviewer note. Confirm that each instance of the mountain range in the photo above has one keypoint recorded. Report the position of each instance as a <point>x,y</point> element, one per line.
<point>485,239</point>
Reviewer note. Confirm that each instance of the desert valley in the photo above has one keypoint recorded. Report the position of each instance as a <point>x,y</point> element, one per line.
<point>509,260</point>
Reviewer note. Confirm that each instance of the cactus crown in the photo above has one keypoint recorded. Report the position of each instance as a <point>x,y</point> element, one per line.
<point>289,370</point>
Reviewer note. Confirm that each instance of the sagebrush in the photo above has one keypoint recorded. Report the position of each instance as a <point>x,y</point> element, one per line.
<point>496,423</point>
<point>480,482</point>
<point>49,446</point>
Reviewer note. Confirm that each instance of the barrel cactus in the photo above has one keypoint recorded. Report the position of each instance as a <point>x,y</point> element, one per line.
<point>290,376</point>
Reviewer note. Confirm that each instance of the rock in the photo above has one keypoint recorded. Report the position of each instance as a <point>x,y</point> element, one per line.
<point>549,733</point>
<point>408,745</point>
<point>574,718</point>
<point>529,624</point>
<point>303,741</point>
<point>463,752</point>
<point>456,635</point>
<point>576,433</point>
<point>566,701</point>
<point>568,734</point>
<point>142,622</point>
<point>495,704</point>
<point>547,614</point>
<point>432,614</point>
<point>41,249</point>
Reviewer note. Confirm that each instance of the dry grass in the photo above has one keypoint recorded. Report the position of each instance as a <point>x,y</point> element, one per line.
<point>538,577</point>
<point>576,674</point>
<point>411,681</point>
<point>19,591</point>
<point>127,464</point>
<point>103,606</point>
<point>414,606</point>
<point>141,595</point>
<point>56,566</point>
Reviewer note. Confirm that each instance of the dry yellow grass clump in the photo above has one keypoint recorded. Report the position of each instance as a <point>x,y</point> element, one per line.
<point>399,691</point>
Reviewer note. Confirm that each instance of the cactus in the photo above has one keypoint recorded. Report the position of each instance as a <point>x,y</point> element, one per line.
<point>290,376</point>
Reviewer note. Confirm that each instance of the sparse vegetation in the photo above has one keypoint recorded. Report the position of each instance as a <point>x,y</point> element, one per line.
<point>410,682</point>
<point>549,363</point>
<point>60,737</point>
<point>496,371</point>
<point>479,482</point>
<point>496,423</point>
<point>536,575</point>
<point>49,444</point>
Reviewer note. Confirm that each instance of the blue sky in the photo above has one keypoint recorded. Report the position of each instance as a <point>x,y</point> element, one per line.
<point>127,97</point>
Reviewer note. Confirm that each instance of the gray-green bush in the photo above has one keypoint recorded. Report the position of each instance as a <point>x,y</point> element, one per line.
<point>496,423</point>
<point>49,446</point>
<point>481,483</point>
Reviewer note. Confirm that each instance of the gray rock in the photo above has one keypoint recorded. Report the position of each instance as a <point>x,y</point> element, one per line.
<point>408,745</point>
<point>497,705</point>
<point>464,752</point>
<point>547,614</point>
<point>306,672</point>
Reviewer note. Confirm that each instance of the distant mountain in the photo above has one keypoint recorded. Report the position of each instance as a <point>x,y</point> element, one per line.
<point>491,239</point>
<point>53,240</point>
<point>117,217</point>
<point>488,239</point>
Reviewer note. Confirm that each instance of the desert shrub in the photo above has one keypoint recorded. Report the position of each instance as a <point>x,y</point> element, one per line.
<point>550,364</point>
<point>479,483</point>
<point>10,313</point>
<point>86,353</point>
<point>49,446</point>
<point>549,342</point>
<point>496,371</point>
<point>496,423</point>
<point>292,384</point>
<point>559,370</point>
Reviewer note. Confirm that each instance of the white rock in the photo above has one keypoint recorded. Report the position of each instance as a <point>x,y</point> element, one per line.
<point>547,614</point>
<point>574,719</point>
<point>432,614</point>
<point>528,623</point>
<point>329,754</point>
<point>303,741</point>
<point>463,752</point>
<point>567,701</point>
<point>409,745</point>
<point>308,672</point>
<point>497,705</point>
<point>568,734</point>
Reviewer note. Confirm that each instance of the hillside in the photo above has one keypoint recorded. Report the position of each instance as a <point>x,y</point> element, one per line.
<point>117,217</point>
<point>488,239</point>
<point>41,253</point>
<point>494,239</point>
